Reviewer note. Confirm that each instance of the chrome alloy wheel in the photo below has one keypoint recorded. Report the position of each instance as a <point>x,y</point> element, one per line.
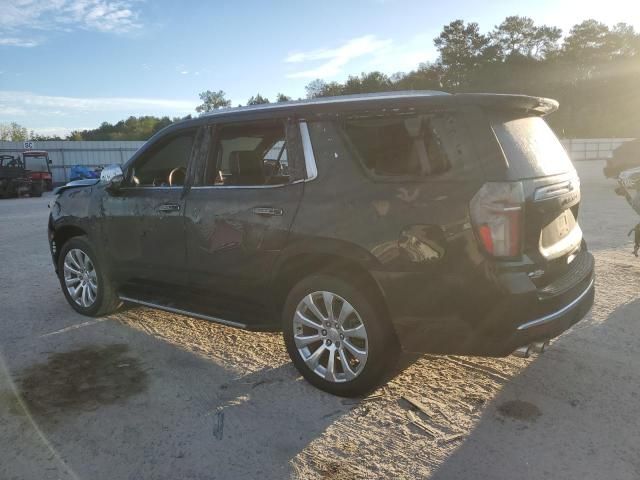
<point>80,277</point>
<point>330,336</point>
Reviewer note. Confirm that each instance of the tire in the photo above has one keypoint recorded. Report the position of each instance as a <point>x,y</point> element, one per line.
<point>37,189</point>
<point>104,299</point>
<point>380,344</point>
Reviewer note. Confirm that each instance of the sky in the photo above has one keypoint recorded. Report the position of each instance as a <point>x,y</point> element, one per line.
<point>72,64</point>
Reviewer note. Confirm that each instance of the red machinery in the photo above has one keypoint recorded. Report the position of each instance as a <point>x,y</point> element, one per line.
<point>37,162</point>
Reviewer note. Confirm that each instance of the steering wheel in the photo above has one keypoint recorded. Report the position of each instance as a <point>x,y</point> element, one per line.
<point>177,175</point>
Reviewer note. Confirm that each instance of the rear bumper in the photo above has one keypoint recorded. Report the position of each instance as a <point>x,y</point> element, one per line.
<point>483,322</point>
<point>549,325</point>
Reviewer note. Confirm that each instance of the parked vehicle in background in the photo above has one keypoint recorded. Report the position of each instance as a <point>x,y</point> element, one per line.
<point>80,172</point>
<point>356,225</point>
<point>625,157</point>
<point>624,166</point>
<point>14,178</point>
<point>38,164</point>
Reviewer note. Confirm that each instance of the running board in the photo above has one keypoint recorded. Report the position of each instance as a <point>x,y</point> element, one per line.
<point>181,311</point>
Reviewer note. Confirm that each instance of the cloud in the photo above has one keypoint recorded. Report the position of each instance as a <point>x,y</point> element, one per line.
<point>405,56</point>
<point>374,54</point>
<point>19,16</point>
<point>334,60</point>
<point>30,104</point>
<point>61,132</point>
<point>17,42</point>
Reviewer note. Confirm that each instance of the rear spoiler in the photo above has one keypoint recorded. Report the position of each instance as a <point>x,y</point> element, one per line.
<point>521,103</point>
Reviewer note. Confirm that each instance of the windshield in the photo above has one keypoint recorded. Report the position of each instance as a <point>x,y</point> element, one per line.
<point>530,147</point>
<point>36,163</point>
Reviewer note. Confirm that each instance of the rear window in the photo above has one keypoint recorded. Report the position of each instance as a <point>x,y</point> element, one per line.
<point>405,145</point>
<point>530,147</point>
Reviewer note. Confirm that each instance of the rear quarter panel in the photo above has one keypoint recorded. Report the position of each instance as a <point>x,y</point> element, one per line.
<point>415,237</point>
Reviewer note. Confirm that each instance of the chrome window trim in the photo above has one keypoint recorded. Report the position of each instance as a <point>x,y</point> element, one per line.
<point>244,187</point>
<point>307,148</point>
<point>181,187</point>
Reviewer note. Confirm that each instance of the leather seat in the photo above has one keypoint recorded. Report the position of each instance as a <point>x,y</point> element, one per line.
<point>246,168</point>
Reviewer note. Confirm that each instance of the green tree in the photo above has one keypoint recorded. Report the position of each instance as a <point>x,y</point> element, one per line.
<point>462,48</point>
<point>132,128</point>
<point>38,137</point>
<point>281,97</point>
<point>588,42</point>
<point>366,83</point>
<point>13,132</point>
<point>623,41</point>
<point>320,88</point>
<point>519,36</point>
<point>257,100</point>
<point>546,41</point>
<point>427,76</point>
<point>212,101</point>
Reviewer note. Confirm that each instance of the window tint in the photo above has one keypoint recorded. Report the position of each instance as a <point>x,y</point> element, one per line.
<point>166,164</point>
<point>530,146</point>
<point>417,145</point>
<point>253,154</point>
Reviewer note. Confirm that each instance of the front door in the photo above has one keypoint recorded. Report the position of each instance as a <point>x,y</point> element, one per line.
<point>144,219</point>
<point>238,218</point>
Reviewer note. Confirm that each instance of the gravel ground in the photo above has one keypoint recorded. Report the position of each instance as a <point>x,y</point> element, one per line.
<point>146,394</point>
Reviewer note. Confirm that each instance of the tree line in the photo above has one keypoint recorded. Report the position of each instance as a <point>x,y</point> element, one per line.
<point>594,71</point>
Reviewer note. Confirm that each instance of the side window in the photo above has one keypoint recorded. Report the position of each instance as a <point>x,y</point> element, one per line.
<point>254,154</point>
<point>165,165</point>
<point>405,145</point>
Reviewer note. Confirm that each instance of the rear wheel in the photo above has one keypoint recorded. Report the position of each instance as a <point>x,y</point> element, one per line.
<point>336,336</point>
<point>37,188</point>
<point>84,281</point>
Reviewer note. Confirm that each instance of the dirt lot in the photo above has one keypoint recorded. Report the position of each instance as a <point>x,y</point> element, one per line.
<point>145,394</point>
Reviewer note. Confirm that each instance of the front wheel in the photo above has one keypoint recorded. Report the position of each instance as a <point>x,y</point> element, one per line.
<point>84,281</point>
<point>337,337</point>
<point>37,188</point>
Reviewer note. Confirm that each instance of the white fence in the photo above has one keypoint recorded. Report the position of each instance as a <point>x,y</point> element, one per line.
<point>592,148</point>
<point>65,154</point>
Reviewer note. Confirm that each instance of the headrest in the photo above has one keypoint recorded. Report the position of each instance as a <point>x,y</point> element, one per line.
<point>246,165</point>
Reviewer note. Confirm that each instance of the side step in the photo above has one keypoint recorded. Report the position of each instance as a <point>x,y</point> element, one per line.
<point>181,311</point>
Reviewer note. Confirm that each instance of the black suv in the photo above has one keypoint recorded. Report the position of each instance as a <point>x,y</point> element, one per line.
<point>356,225</point>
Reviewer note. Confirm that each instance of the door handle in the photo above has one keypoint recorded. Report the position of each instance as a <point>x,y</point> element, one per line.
<point>169,207</point>
<point>268,211</point>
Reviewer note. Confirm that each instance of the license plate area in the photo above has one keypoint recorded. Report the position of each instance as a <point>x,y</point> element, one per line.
<point>560,236</point>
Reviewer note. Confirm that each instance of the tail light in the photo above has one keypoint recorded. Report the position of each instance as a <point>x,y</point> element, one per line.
<point>497,213</point>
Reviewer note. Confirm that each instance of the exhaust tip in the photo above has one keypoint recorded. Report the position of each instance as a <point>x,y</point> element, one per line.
<point>526,350</point>
<point>539,347</point>
<point>522,352</point>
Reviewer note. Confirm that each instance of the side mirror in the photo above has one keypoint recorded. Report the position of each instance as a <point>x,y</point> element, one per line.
<point>112,176</point>
<point>49,161</point>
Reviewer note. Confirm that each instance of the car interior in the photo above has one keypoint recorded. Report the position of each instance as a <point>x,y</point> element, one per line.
<point>249,156</point>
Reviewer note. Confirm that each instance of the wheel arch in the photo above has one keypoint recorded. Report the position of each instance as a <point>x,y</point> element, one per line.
<point>62,235</point>
<point>348,264</point>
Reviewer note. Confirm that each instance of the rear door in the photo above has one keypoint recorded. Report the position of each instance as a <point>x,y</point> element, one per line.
<point>239,213</point>
<point>534,155</point>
